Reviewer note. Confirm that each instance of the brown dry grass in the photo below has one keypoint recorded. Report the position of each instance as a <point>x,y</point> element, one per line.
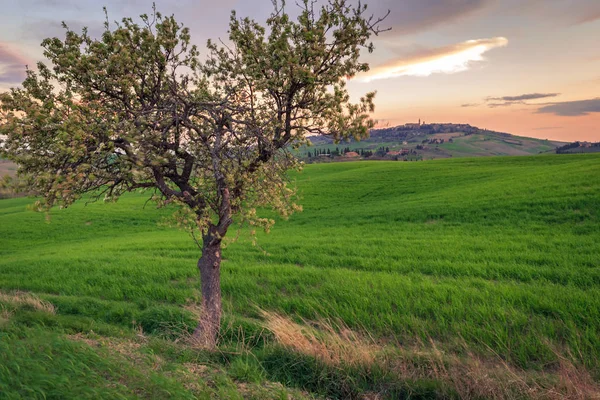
<point>324,342</point>
<point>27,299</point>
<point>471,376</point>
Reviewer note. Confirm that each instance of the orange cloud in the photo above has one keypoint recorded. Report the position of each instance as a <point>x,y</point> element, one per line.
<point>446,60</point>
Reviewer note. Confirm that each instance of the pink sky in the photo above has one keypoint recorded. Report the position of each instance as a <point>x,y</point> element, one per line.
<point>526,67</point>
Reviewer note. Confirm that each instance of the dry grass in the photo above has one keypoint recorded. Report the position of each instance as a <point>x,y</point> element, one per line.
<point>325,341</point>
<point>189,339</point>
<point>475,377</point>
<point>28,300</point>
<point>193,377</point>
<point>471,376</point>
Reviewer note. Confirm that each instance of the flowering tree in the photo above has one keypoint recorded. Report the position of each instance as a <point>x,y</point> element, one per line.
<point>137,110</point>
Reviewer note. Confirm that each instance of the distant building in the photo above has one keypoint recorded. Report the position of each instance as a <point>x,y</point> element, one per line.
<point>351,154</point>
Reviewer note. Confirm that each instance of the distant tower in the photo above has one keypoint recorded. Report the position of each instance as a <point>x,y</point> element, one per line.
<point>419,121</point>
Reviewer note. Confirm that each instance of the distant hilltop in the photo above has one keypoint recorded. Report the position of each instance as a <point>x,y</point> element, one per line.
<point>411,130</point>
<point>430,129</point>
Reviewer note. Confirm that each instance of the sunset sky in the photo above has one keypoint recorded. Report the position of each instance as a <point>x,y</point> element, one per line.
<point>527,67</point>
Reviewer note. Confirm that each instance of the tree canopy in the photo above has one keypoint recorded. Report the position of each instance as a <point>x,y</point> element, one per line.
<point>141,108</point>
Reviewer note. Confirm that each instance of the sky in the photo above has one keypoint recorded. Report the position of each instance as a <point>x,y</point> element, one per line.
<point>526,67</point>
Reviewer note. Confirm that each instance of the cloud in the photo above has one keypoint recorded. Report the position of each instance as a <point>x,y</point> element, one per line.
<point>589,18</point>
<point>506,101</point>
<point>411,16</point>
<point>12,65</point>
<point>572,108</point>
<point>447,60</point>
<point>523,97</point>
<point>562,12</point>
<point>548,128</point>
<point>470,105</point>
<point>505,104</point>
<point>407,16</point>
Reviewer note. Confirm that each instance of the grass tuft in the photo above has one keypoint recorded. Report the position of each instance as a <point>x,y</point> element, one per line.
<point>332,344</point>
<point>27,300</point>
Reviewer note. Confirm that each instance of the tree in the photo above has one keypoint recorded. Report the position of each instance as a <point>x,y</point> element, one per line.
<point>137,110</point>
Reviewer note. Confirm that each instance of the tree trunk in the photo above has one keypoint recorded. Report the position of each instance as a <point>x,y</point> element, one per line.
<point>210,276</point>
<point>207,331</point>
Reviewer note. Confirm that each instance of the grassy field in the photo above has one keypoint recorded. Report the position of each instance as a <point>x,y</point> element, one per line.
<point>465,278</point>
<point>493,144</point>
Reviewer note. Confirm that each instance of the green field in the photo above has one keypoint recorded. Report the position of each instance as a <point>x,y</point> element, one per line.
<point>435,263</point>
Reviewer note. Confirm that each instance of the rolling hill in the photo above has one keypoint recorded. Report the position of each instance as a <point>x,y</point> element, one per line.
<point>431,141</point>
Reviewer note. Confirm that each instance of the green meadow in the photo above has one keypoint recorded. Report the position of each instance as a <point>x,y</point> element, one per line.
<point>492,258</point>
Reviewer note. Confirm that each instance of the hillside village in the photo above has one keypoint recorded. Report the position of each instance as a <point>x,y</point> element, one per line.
<point>410,130</point>
<point>579,147</point>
